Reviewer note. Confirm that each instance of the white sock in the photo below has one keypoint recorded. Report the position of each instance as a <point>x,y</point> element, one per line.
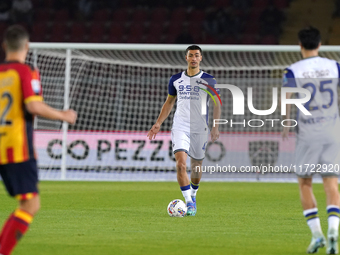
<point>194,189</point>
<point>186,193</point>
<point>313,221</point>
<point>333,217</point>
<point>333,222</point>
<point>193,192</point>
<point>315,226</point>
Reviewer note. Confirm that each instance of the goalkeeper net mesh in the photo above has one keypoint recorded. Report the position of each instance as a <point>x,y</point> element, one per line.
<point>118,95</point>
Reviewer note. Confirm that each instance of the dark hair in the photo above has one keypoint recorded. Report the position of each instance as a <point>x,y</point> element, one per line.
<point>309,38</point>
<point>193,47</point>
<point>15,37</point>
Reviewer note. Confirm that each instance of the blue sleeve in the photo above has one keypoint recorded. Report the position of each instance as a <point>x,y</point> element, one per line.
<point>171,88</point>
<point>288,79</point>
<point>338,67</point>
<point>211,82</point>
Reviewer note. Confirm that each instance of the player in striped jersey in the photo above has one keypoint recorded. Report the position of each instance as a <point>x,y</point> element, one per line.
<point>318,139</point>
<point>20,99</point>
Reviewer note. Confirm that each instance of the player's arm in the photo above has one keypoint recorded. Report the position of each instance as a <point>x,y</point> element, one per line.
<point>216,115</point>
<point>288,81</point>
<point>165,111</point>
<point>43,110</point>
<point>33,100</point>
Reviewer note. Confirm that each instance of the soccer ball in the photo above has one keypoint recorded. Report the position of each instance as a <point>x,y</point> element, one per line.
<point>177,208</point>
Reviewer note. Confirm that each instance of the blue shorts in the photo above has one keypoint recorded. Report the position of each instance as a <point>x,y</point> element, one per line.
<point>21,179</point>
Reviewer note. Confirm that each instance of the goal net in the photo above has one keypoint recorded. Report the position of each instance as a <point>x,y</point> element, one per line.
<point>118,91</point>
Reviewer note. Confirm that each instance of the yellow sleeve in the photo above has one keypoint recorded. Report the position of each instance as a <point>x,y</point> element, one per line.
<point>33,98</point>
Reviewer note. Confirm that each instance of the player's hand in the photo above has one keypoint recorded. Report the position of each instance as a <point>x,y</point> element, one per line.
<point>215,134</point>
<point>285,133</point>
<point>70,116</point>
<point>153,131</point>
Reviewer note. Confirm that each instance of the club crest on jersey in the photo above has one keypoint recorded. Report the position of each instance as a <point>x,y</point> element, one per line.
<point>36,87</point>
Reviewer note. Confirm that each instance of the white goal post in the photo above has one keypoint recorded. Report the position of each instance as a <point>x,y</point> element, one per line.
<point>118,91</point>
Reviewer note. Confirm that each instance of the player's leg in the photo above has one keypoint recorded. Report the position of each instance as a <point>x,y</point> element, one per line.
<point>21,182</point>
<point>198,144</point>
<point>183,181</point>
<point>333,210</point>
<point>180,143</point>
<point>32,206</point>
<point>310,212</point>
<point>330,160</point>
<point>181,167</point>
<point>307,197</point>
<point>196,175</point>
<point>182,176</point>
<point>306,153</point>
<point>196,171</point>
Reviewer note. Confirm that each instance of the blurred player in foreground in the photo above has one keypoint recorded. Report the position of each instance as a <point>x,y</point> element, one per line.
<point>318,136</point>
<point>190,127</point>
<point>20,99</point>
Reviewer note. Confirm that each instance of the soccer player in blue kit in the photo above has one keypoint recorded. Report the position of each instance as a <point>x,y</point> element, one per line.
<point>318,137</point>
<point>190,130</point>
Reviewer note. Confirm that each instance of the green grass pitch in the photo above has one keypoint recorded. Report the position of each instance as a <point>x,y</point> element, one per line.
<point>130,218</point>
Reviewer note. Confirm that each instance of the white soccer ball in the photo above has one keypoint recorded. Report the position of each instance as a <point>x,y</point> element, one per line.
<point>177,208</point>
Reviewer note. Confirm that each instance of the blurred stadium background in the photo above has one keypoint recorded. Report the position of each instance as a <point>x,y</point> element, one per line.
<point>144,21</point>
<point>123,90</point>
<point>178,21</point>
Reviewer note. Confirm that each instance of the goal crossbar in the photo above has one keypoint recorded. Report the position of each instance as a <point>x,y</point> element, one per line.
<point>172,47</point>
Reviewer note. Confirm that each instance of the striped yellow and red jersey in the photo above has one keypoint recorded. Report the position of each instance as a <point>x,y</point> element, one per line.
<point>19,85</point>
